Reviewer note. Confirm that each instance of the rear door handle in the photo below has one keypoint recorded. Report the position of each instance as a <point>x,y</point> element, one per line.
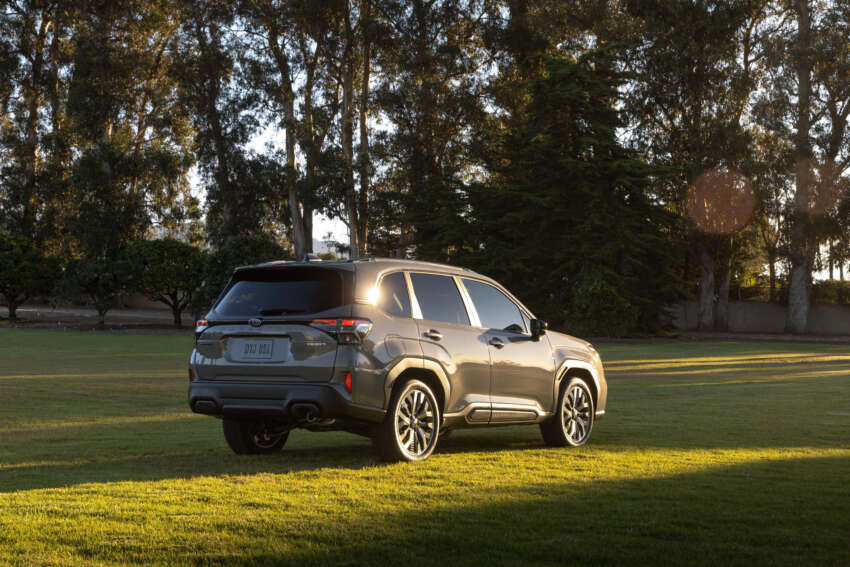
<point>433,334</point>
<point>497,342</point>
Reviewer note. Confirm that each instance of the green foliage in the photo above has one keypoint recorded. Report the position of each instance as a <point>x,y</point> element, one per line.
<point>239,251</point>
<point>831,292</point>
<point>567,224</point>
<point>167,271</point>
<point>101,281</point>
<point>431,93</point>
<point>24,272</point>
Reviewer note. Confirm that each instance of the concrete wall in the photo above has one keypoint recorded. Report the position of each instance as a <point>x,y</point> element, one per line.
<point>758,317</point>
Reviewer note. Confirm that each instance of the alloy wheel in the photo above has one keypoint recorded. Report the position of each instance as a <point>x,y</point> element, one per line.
<point>415,423</point>
<point>576,415</point>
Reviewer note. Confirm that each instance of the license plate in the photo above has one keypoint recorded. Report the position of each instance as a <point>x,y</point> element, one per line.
<point>256,350</point>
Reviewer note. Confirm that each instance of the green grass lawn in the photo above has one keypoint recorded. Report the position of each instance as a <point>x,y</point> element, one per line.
<point>712,453</point>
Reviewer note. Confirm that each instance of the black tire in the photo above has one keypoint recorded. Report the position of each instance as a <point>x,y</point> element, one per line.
<point>573,420</point>
<point>252,437</point>
<point>411,427</point>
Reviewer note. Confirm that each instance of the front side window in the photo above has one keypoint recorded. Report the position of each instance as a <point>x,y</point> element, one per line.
<point>495,309</point>
<point>393,297</point>
<point>439,298</point>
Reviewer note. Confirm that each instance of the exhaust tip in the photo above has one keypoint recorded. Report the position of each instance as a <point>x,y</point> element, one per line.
<point>305,412</point>
<point>207,407</point>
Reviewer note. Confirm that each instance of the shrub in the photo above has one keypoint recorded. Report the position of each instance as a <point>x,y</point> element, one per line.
<point>24,272</point>
<point>166,270</point>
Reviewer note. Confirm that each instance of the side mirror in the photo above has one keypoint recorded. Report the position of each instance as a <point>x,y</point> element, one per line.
<point>538,328</point>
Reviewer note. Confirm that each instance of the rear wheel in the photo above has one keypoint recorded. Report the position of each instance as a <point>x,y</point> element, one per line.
<point>253,437</point>
<point>411,427</point>
<point>573,421</point>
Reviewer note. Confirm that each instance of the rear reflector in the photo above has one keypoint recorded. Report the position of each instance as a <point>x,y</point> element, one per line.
<point>348,382</point>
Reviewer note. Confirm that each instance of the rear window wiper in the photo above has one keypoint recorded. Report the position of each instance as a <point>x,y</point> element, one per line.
<point>280,311</point>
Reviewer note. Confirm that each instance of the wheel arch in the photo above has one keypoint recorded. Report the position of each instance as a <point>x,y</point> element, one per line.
<point>427,371</point>
<point>579,369</point>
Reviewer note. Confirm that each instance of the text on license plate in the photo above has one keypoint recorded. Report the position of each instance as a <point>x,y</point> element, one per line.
<point>257,349</point>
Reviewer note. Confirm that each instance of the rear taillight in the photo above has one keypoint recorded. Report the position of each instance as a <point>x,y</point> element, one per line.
<point>191,375</point>
<point>348,385</point>
<point>345,330</point>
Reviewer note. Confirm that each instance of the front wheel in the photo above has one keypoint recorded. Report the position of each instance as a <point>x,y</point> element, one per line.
<point>253,437</point>
<point>573,421</point>
<point>411,427</point>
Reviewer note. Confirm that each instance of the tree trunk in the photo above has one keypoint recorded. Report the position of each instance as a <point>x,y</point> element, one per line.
<point>348,137</point>
<point>721,321</point>
<point>31,155</point>
<point>308,228</point>
<point>177,312</point>
<point>287,96</point>
<point>771,266</point>
<point>831,259</point>
<point>705,317</point>
<point>298,237</point>
<point>363,157</point>
<point>13,311</point>
<point>798,289</point>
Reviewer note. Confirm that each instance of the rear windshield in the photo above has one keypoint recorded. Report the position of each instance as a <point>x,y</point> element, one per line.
<point>287,291</point>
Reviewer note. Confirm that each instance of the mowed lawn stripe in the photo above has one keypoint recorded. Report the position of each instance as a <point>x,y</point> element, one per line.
<point>104,465</point>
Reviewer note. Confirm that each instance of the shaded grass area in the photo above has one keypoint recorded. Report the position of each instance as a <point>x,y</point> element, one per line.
<point>712,453</point>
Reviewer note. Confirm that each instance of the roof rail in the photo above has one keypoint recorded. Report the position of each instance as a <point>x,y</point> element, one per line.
<point>310,258</point>
<point>362,259</point>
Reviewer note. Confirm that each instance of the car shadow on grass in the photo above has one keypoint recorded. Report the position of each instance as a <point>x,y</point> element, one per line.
<point>127,458</point>
<point>782,512</point>
<point>180,449</point>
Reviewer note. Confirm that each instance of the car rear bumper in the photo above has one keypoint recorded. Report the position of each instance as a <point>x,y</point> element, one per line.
<point>276,400</point>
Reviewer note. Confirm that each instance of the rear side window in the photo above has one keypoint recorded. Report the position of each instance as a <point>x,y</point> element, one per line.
<point>287,291</point>
<point>439,298</point>
<point>393,297</point>
<point>494,308</point>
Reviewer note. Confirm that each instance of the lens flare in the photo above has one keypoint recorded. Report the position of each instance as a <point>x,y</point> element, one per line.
<point>721,201</point>
<point>373,296</point>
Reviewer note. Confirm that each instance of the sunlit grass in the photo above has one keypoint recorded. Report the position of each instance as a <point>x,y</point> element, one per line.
<point>101,464</point>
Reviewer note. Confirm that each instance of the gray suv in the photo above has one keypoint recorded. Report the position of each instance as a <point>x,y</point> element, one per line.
<point>401,351</point>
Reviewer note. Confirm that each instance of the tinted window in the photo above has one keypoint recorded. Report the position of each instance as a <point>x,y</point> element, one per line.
<point>288,291</point>
<point>439,298</point>
<point>393,297</point>
<point>494,308</point>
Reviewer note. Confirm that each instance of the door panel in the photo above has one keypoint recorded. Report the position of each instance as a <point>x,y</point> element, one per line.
<point>447,337</point>
<point>522,373</point>
<point>521,369</point>
<point>464,354</point>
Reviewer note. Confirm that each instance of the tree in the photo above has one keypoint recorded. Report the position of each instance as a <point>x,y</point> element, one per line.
<point>688,100</point>
<point>566,221</point>
<point>431,93</point>
<point>24,272</point>
<point>806,103</point>
<point>167,271</point>
<point>243,188</point>
<point>131,137</point>
<point>99,281</point>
